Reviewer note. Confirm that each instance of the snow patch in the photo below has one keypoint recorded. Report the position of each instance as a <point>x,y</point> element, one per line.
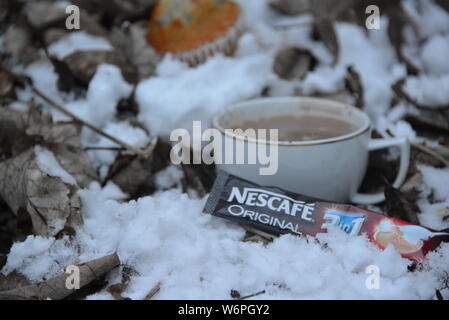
<point>78,41</point>
<point>47,162</point>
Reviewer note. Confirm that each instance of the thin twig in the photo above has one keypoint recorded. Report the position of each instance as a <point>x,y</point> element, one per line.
<point>141,152</point>
<point>430,152</point>
<point>60,108</point>
<point>104,148</point>
<point>253,295</point>
<point>153,291</point>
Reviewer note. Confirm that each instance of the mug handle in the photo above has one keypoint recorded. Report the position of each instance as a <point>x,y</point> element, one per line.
<point>376,144</point>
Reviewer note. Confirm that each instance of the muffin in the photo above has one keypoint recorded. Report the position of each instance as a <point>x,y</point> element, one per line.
<point>193,30</point>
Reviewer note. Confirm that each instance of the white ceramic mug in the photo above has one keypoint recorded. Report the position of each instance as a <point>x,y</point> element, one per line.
<point>329,169</point>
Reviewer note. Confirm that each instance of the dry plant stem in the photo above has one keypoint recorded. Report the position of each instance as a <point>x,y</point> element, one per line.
<point>104,148</point>
<point>56,288</point>
<point>430,152</point>
<point>263,234</point>
<point>153,292</point>
<point>253,295</point>
<point>140,152</point>
<point>143,153</point>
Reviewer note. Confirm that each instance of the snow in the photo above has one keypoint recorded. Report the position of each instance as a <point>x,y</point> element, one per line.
<point>435,185</point>
<point>37,256</point>
<point>78,41</point>
<point>179,95</point>
<point>167,239</point>
<point>430,18</point>
<point>44,78</point>
<point>102,159</point>
<point>434,55</point>
<point>168,177</point>
<point>437,180</point>
<point>429,91</point>
<point>403,129</point>
<point>105,90</point>
<point>97,108</point>
<point>47,162</point>
<point>375,60</point>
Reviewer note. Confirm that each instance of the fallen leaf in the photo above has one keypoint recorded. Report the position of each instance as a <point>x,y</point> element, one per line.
<point>56,289</point>
<point>12,280</point>
<point>44,13</point>
<point>17,44</point>
<point>117,289</point>
<point>235,294</point>
<point>433,121</point>
<point>324,27</point>
<point>199,177</point>
<point>134,175</point>
<point>443,4</point>
<point>66,79</point>
<point>52,204</point>
<point>291,7</point>
<point>402,204</point>
<point>398,89</point>
<point>293,63</point>
<point>355,87</point>
<point>83,64</point>
<point>131,43</point>
<point>398,20</point>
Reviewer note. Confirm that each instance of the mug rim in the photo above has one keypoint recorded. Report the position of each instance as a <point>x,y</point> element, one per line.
<point>313,100</point>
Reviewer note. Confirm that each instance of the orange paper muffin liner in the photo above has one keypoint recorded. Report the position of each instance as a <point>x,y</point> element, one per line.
<point>193,30</point>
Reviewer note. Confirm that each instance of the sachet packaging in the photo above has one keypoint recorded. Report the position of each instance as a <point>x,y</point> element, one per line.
<point>278,211</point>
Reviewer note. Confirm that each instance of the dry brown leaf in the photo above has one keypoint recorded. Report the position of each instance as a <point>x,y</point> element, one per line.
<point>117,11</point>
<point>132,175</point>
<point>44,13</point>
<point>325,28</point>
<point>53,34</point>
<point>6,84</point>
<point>131,43</point>
<point>291,7</point>
<point>293,63</point>
<point>435,122</point>
<point>398,89</point>
<point>20,131</point>
<point>12,281</point>
<point>56,289</point>
<point>52,204</point>
<point>116,290</point>
<point>325,13</point>
<point>443,4</point>
<point>17,43</point>
<point>402,204</point>
<point>84,64</point>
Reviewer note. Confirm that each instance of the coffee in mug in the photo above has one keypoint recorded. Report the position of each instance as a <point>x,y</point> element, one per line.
<point>322,150</point>
<point>300,127</point>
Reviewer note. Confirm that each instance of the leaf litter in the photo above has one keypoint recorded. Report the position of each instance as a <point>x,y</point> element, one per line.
<point>73,188</point>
